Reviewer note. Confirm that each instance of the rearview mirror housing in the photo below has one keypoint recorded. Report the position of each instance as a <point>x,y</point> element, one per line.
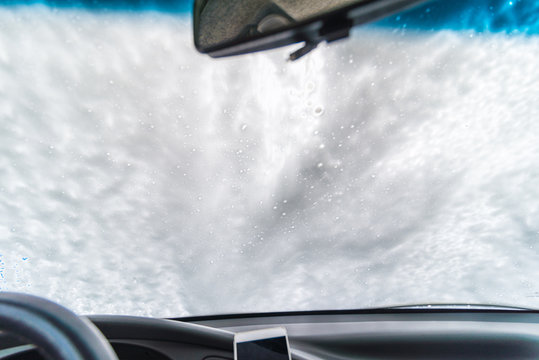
<point>233,27</point>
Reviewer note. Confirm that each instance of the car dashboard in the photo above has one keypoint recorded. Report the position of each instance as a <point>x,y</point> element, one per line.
<point>412,333</point>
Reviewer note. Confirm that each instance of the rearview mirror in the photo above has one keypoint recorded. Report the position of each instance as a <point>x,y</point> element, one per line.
<point>233,27</point>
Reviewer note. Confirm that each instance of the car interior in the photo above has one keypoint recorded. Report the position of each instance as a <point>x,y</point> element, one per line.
<point>32,327</point>
<point>415,332</point>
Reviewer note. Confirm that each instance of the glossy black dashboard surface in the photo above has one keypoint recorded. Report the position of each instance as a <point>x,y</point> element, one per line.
<point>419,333</point>
<point>378,334</point>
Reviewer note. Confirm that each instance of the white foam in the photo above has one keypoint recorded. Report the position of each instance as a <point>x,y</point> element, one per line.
<point>139,177</point>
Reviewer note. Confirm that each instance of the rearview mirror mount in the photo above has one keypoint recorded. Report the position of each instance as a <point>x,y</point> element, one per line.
<point>234,27</point>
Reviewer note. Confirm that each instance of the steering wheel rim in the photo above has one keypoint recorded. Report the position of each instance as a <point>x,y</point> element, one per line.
<point>59,333</point>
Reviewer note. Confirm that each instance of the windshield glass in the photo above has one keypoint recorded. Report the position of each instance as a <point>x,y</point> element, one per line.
<point>397,167</point>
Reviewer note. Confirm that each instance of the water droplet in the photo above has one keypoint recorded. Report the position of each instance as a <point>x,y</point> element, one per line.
<point>320,165</point>
<point>319,110</point>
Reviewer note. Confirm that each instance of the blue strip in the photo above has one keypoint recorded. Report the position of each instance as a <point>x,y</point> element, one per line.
<point>167,6</point>
<point>506,16</point>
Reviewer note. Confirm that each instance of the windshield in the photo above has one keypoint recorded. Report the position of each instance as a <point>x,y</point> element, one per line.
<point>399,166</point>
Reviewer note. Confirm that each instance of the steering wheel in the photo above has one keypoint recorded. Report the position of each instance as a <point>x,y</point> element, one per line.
<point>56,331</point>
